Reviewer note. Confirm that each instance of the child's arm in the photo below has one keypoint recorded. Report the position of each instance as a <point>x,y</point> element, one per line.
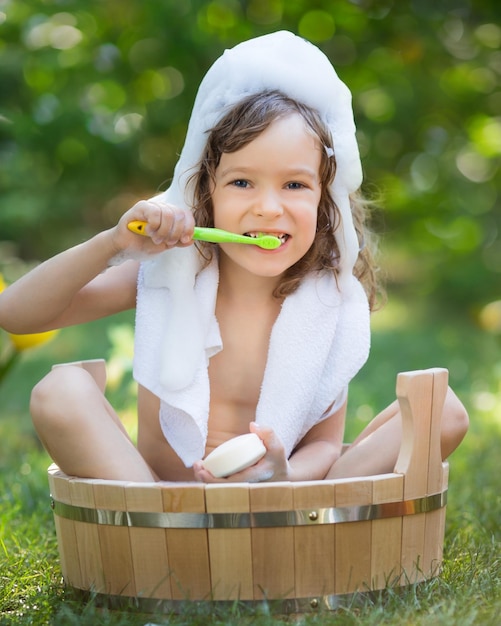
<point>76,286</point>
<point>314,455</point>
<point>319,449</point>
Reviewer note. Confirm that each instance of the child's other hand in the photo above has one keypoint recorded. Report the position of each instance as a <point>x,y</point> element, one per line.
<point>167,226</point>
<point>272,467</point>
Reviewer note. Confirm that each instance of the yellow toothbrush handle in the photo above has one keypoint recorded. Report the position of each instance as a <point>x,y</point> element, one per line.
<point>137,226</point>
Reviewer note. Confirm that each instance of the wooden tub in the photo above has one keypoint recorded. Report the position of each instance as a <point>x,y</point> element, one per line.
<point>301,546</point>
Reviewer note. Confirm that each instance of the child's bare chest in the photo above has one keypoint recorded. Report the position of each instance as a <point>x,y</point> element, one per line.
<point>236,373</point>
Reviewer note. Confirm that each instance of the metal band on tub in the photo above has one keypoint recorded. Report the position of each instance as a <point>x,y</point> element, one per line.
<point>264,519</point>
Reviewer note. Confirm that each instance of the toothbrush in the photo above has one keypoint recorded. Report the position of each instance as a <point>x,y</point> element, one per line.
<point>216,235</point>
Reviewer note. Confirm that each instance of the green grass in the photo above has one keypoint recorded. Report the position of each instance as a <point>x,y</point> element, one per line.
<point>467,592</point>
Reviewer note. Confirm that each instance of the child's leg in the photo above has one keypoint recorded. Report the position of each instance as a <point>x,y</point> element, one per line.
<point>376,449</point>
<point>80,429</point>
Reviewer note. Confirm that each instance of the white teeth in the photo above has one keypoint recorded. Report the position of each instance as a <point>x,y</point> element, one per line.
<point>282,236</point>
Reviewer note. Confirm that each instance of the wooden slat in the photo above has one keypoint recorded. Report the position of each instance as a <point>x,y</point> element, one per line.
<point>314,546</point>
<point>413,539</point>
<point>420,404</point>
<point>87,537</point>
<point>230,549</point>
<point>386,542</point>
<point>272,548</point>
<point>188,549</point>
<point>414,392</point>
<point>353,539</point>
<point>437,480</point>
<point>114,540</point>
<point>434,534</point>
<point>65,530</point>
<point>435,467</point>
<point>148,545</point>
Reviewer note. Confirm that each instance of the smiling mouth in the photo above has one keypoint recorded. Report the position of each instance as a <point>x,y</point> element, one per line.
<point>281,236</point>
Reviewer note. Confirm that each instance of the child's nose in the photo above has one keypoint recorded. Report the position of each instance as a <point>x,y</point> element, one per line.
<point>269,204</point>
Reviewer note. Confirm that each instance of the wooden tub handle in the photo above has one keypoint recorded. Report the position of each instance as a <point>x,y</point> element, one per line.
<point>421,395</point>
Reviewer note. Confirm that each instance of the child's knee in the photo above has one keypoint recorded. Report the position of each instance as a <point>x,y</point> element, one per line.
<point>52,395</point>
<point>455,423</point>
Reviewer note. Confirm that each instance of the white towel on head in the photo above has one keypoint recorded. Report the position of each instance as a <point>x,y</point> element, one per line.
<point>318,343</point>
<point>278,61</point>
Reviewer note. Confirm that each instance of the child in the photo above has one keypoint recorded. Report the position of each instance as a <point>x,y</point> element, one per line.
<point>233,338</point>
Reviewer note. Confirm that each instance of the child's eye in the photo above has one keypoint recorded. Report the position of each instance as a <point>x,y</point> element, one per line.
<point>240,182</point>
<point>295,185</point>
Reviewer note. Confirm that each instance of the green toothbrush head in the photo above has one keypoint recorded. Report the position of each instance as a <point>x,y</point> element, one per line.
<point>268,242</point>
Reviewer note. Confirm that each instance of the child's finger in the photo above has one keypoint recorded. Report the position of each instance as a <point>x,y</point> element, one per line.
<point>204,476</point>
<point>165,223</point>
<point>181,227</point>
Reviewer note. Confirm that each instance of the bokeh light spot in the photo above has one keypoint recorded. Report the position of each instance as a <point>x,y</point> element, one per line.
<point>377,105</point>
<point>71,150</point>
<point>317,26</point>
<point>474,166</point>
<point>265,11</point>
<point>490,317</point>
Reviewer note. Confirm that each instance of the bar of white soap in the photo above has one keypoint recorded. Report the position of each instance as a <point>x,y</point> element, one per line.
<point>234,455</point>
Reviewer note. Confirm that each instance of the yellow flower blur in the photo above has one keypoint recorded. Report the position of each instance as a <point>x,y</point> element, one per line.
<point>490,317</point>
<point>25,342</point>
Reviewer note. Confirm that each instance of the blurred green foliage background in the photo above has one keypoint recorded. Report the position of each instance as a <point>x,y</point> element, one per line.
<point>95,97</point>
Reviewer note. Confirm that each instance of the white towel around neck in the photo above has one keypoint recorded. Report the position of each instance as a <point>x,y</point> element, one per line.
<point>318,343</point>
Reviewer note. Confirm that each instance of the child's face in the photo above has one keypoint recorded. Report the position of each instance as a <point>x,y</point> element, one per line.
<point>271,185</point>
